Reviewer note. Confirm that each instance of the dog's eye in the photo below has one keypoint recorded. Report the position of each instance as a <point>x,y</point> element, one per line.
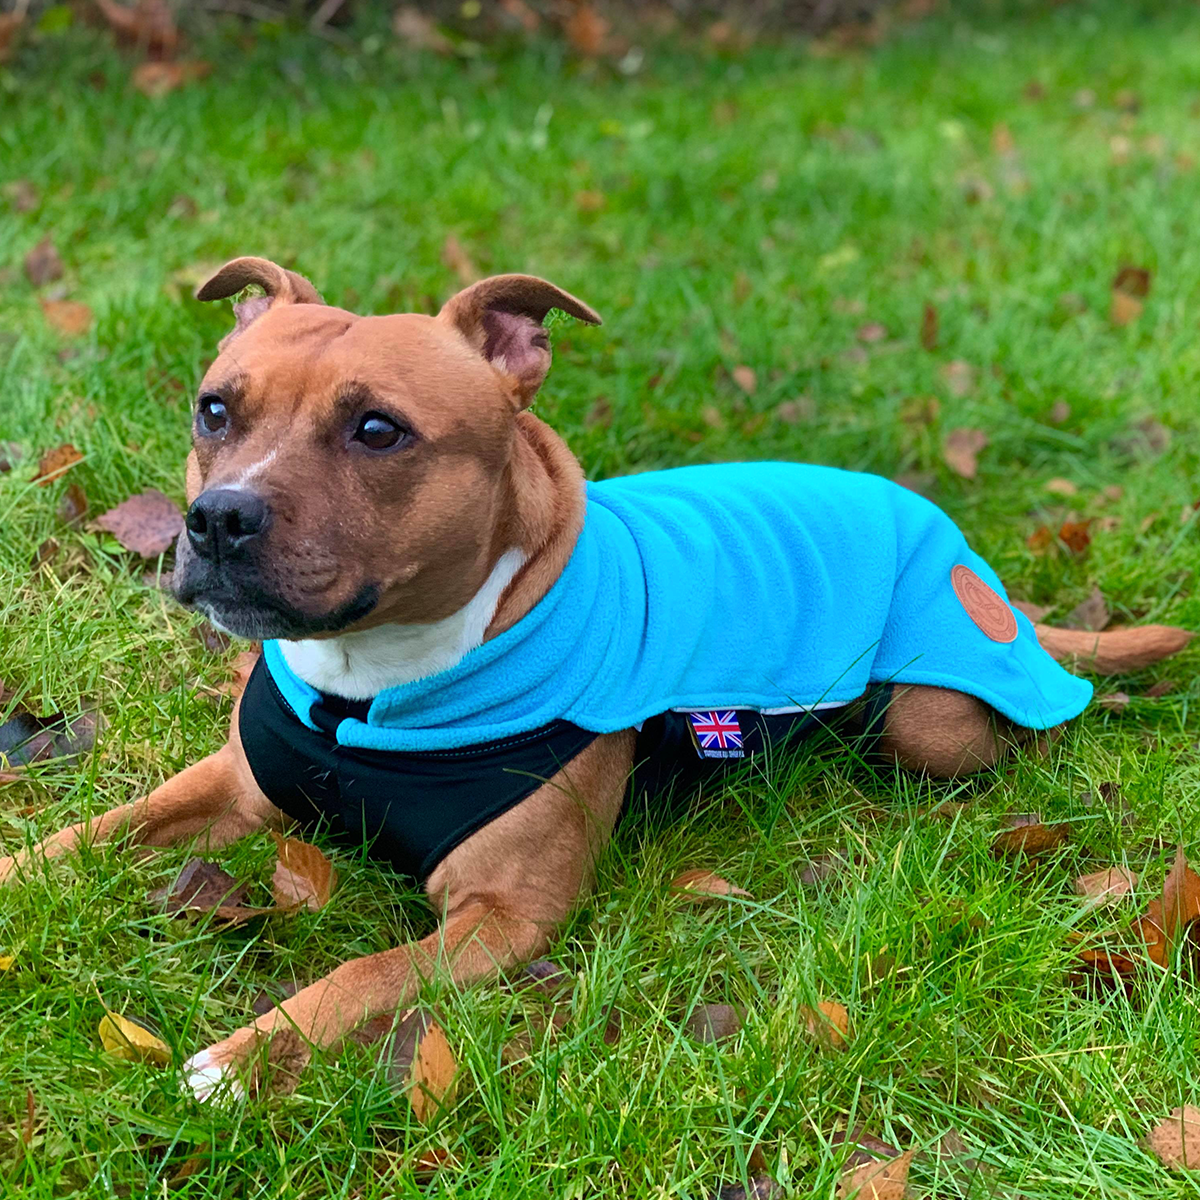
<point>213,417</point>
<point>378,432</point>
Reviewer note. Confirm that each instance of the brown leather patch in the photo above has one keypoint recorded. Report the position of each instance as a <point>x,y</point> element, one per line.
<point>983,606</point>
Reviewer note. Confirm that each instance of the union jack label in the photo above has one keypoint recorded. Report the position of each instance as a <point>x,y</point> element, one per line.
<point>718,734</point>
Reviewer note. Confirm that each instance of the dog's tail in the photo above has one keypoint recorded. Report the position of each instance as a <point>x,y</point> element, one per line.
<point>1114,652</point>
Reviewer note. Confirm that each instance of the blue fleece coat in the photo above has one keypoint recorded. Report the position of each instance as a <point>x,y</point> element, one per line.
<point>771,586</point>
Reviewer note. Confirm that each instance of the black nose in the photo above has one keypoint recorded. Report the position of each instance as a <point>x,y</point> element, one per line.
<point>222,521</point>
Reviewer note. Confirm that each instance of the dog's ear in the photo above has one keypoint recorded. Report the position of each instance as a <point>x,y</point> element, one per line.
<point>502,319</point>
<point>281,287</point>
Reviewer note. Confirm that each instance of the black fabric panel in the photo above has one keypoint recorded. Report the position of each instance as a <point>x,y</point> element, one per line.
<point>410,808</point>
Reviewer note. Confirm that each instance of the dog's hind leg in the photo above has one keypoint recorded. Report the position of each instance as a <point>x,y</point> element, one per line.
<point>944,733</point>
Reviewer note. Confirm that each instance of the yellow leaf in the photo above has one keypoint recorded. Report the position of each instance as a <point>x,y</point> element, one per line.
<point>6,962</point>
<point>828,1023</point>
<point>126,1039</point>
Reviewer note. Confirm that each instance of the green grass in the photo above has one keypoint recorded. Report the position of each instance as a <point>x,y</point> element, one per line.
<point>752,204</point>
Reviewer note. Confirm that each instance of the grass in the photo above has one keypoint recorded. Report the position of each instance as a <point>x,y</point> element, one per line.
<point>757,210</point>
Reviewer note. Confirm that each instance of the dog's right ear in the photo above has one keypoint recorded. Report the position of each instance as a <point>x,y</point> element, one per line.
<point>280,285</point>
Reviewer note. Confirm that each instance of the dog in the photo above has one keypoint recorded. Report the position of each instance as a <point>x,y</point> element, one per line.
<point>468,653</point>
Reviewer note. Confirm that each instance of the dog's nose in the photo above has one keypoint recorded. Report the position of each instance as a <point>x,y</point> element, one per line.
<point>222,521</point>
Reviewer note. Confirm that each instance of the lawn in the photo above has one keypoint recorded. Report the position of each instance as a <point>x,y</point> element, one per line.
<point>777,210</point>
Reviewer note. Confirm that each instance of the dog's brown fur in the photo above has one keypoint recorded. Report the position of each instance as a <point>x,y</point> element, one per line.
<point>482,477</point>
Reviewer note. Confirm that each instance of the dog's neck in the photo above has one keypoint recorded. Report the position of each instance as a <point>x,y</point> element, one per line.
<point>540,525</point>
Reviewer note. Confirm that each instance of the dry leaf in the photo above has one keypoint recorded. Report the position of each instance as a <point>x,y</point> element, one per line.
<point>871,332</point>
<point>55,463</point>
<point>411,25</point>
<point>1035,612</point>
<point>1164,687</point>
<point>42,263</point>
<point>1091,614</point>
<point>157,79</point>
<point>147,523</point>
<point>961,451</point>
<point>1129,290</point>
<point>211,638</point>
<point>1180,905</point>
<point>1060,412</point>
<point>929,328</point>
<point>72,508</point>
<point>203,887</point>
<point>1124,309</point>
<point>1025,834</point>
<point>1061,487</point>
<point>745,378</point>
<point>714,1022</point>
<point>1116,702</point>
<point>1107,886</point>
<point>6,962</point>
<point>433,1075</point>
<point>959,377</point>
<point>303,876</point>
<point>761,1187</point>
<point>702,884</point>
<point>828,1024</point>
<point>886,1180</point>
<point>590,201</point>
<point>1040,540</point>
<point>148,24</point>
<point>68,317</point>
<point>126,1039</point>
<point>10,24</point>
<point>430,1162</point>
<point>279,992</point>
<point>459,261</point>
<point>1175,1140</point>
<point>1076,535</point>
<point>586,30</point>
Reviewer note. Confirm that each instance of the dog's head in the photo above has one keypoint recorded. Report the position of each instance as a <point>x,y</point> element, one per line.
<point>349,470</point>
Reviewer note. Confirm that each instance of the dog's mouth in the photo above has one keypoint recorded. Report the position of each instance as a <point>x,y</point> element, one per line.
<point>251,612</point>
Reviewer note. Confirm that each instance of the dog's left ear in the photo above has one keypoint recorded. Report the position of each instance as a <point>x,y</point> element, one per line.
<point>281,286</point>
<point>502,319</point>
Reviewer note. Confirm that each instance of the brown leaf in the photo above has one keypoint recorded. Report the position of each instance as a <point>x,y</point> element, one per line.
<point>746,378</point>
<point>1025,834</point>
<point>1002,140</point>
<point>1175,1140</point>
<point>871,332</point>
<point>273,996</point>
<point>1180,900</point>
<point>156,79</point>
<point>1124,309</point>
<point>459,261</point>
<point>27,738</point>
<point>761,1187</point>
<point>303,876</point>
<point>429,1162</point>
<point>239,673</point>
<point>546,977</point>
<point>1035,612</point>
<point>1060,412</point>
<point>1133,281</point>
<point>420,31</point>
<point>72,508</point>
<point>962,449</point>
<point>865,1147</point>
<point>433,1075</point>
<point>68,317</point>
<point>201,887</point>
<point>920,410</point>
<point>714,1022</point>
<point>924,483</point>
<point>1041,540</point>
<point>147,24</point>
<point>46,552</point>
<point>10,24</point>
<point>959,377</point>
<point>55,463</point>
<point>1091,614</point>
<point>1116,702</point>
<point>1076,535</point>
<point>42,263</point>
<point>590,201</point>
<point>10,455</point>
<point>147,523</point>
<point>929,327</point>
<point>877,1180</point>
<point>211,638</point>
<point>1062,487</point>
<point>1164,687</point>
<point>701,885</point>
<point>827,1024</point>
<point>586,30</point>
<point>1107,886</point>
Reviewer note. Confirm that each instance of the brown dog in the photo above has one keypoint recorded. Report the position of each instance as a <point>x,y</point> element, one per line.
<point>402,508</point>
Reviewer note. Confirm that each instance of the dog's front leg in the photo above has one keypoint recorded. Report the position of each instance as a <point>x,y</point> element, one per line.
<point>212,798</point>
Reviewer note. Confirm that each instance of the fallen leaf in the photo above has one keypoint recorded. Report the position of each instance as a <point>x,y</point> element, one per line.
<point>701,884</point>
<point>1130,287</point>
<point>714,1022</point>
<point>68,317</point>
<point>72,508</point>
<point>10,455</point>
<point>211,638</point>
<point>27,738</point>
<point>1061,487</point>
<point>1040,540</point>
<point>761,1187</point>
<point>1180,905</point>
<point>871,332</point>
<point>6,962</point>
<point>877,1180</point>
<point>746,378</point>
<point>1107,886</point>
<point>1114,701</point>
<point>1148,436</point>
<point>147,523</point>
<point>200,1159</point>
<point>420,31</point>
<point>30,1117</point>
<point>1091,614</point>
<point>202,886</point>
<point>268,999</point>
<point>1076,535</point>
<point>148,24</point>
<point>959,377</point>
<point>1163,687</point>
<point>546,977</point>
<point>42,263</point>
<point>303,876</point>
<point>920,410</point>
<point>240,671</point>
<point>10,24</point>
<point>459,261</point>
<point>1035,612</point>
<point>961,451</point>
<point>929,328</point>
<point>865,1147</point>
<point>1025,834</point>
<point>828,1024</point>
<point>590,201</point>
<point>55,463</point>
<point>712,416</point>
<point>157,79</point>
<point>586,30</point>
<point>924,483</point>
<point>128,1040</point>
<point>600,415</point>
<point>433,1075</point>
<point>1175,1140</point>
<point>1124,309</point>
<point>430,1162</point>
<point>1060,412</point>
<point>1002,140</point>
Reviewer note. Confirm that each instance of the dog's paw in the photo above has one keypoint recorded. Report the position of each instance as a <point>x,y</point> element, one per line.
<point>209,1079</point>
